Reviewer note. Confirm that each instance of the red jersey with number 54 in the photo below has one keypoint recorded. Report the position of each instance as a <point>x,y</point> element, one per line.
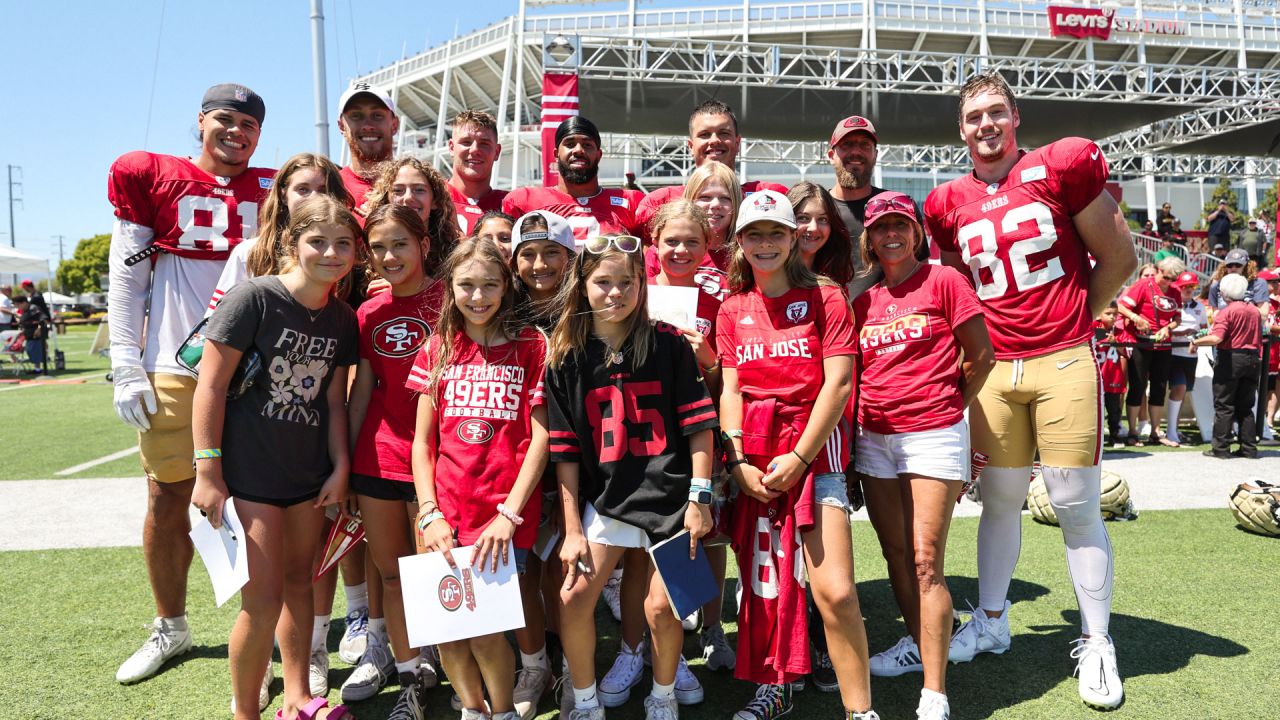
<point>193,213</point>
<point>1026,259</point>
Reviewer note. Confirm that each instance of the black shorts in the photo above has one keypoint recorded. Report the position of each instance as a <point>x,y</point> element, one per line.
<point>277,502</point>
<point>382,489</point>
<point>1182,371</point>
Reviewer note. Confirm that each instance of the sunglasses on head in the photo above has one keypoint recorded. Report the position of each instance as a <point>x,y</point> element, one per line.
<point>600,244</point>
<point>880,205</point>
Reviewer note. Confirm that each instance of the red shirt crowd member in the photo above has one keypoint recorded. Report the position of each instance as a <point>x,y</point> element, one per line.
<point>1237,333</point>
<point>1272,327</point>
<point>177,219</point>
<point>480,447</point>
<point>1153,308</point>
<point>577,197</point>
<point>1023,225</point>
<point>631,433</point>
<point>913,440</point>
<point>475,149</point>
<point>1113,364</point>
<point>786,345</point>
<point>824,240</point>
<point>714,188</point>
<point>368,122</point>
<point>713,135</point>
<point>415,184</point>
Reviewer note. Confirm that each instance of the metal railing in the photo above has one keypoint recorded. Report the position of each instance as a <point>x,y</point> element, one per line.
<point>1203,265</point>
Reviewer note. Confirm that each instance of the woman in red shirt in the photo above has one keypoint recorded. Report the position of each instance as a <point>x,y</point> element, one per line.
<point>913,439</point>
<point>1154,309</point>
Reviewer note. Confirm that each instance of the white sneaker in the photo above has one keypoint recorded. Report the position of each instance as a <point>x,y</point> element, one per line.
<point>933,706</point>
<point>165,643</point>
<point>693,622</point>
<point>595,713</point>
<point>372,672</point>
<point>868,715</point>
<point>531,684</point>
<point>318,673</point>
<point>715,649</point>
<point>355,637</point>
<point>661,708</point>
<point>615,686</point>
<point>688,689</point>
<point>469,714</point>
<point>1100,683</point>
<point>980,634</point>
<point>264,691</point>
<point>564,687</point>
<point>1145,431</point>
<point>613,595</point>
<point>428,664</point>
<point>898,660</point>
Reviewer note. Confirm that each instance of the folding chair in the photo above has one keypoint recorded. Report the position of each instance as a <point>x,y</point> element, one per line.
<point>15,353</point>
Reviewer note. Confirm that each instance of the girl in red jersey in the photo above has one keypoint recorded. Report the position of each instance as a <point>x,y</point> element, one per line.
<point>410,182</point>
<point>476,466</point>
<point>825,246</point>
<point>1113,361</point>
<point>631,433</point>
<point>280,449</point>
<point>393,327</point>
<point>913,439</point>
<point>714,188</point>
<point>786,344</point>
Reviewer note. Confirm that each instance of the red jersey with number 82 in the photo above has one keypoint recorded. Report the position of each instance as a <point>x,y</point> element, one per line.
<point>1026,259</point>
<point>194,214</point>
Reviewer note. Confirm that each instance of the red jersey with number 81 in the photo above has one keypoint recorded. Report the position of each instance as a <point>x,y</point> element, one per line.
<point>193,213</point>
<point>1026,259</point>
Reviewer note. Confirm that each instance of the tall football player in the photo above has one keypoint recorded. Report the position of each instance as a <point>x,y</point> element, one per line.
<point>1023,225</point>
<point>177,219</point>
<point>368,122</point>
<point>591,210</point>
<point>475,150</point>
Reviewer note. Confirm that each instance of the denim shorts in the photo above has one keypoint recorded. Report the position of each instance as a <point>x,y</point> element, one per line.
<point>832,489</point>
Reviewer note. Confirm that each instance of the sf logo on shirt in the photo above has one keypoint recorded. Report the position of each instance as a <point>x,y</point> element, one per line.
<point>400,337</point>
<point>474,432</point>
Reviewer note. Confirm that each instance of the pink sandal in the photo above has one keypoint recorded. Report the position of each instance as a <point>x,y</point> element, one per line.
<point>308,712</point>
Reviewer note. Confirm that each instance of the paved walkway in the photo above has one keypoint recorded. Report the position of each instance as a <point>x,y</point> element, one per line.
<point>108,512</point>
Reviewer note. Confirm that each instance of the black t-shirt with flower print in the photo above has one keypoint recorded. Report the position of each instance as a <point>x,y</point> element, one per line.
<point>275,437</point>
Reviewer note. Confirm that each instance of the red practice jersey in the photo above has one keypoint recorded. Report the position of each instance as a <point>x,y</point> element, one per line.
<point>1029,264</point>
<point>471,209</point>
<point>1273,320</point>
<point>392,331</point>
<point>1158,307</point>
<point>356,186</point>
<point>483,427</point>
<point>193,213</point>
<point>910,359</point>
<point>1110,364</point>
<point>608,211</point>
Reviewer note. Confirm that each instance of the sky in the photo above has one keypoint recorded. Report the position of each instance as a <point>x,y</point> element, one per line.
<point>93,79</point>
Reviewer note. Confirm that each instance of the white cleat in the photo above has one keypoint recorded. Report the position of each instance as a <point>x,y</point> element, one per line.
<point>1100,683</point>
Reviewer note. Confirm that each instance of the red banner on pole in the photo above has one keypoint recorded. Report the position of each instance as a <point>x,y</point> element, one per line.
<point>559,101</point>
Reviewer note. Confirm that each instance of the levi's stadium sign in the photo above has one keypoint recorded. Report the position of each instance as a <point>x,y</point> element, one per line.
<point>1083,22</point>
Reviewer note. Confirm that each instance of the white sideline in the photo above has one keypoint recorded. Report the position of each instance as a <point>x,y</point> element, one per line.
<point>94,463</point>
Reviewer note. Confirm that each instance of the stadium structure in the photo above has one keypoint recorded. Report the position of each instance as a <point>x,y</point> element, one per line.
<point>1178,94</point>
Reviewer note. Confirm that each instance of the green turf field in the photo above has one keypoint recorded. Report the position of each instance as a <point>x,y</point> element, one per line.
<point>1194,624</point>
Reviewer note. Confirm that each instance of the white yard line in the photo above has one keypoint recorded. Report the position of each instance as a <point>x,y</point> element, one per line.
<point>94,463</point>
<point>20,386</point>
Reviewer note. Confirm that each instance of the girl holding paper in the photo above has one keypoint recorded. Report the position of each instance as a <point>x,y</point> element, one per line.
<point>479,449</point>
<point>786,344</point>
<point>280,449</point>
<point>631,433</point>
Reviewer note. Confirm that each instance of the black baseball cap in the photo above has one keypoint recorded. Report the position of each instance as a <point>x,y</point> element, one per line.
<point>230,96</point>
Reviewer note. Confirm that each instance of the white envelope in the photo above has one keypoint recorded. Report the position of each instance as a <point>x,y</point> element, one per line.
<point>442,604</point>
<point>223,552</point>
<point>675,305</point>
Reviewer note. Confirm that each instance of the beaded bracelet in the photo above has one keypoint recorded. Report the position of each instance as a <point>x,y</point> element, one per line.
<point>507,513</point>
<point>429,518</point>
<point>208,454</point>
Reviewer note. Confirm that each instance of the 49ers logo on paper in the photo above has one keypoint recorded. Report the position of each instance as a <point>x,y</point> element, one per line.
<point>400,337</point>
<point>450,593</point>
<point>474,432</point>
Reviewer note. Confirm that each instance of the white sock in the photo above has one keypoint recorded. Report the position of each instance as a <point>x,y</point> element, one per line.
<point>407,666</point>
<point>1174,407</point>
<point>538,659</point>
<point>585,698</point>
<point>663,692</point>
<point>177,622</point>
<point>926,693</point>
<point>357,596</point>
<point>319,631</point>
<point>379,626</point>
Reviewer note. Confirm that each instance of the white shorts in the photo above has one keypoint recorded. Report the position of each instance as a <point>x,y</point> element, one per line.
<point>608,531</point>
<point>941,453</point>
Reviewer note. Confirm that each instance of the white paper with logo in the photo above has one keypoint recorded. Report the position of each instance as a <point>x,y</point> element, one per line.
<point>674,305</point>
<point>443,604</point>
<point>223,552</point>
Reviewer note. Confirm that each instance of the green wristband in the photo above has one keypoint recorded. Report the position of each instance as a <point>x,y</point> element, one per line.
<point>208,454</point>
<point>429,518</point>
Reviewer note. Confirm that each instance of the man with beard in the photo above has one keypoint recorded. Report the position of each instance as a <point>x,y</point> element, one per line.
<point>475,149</point>
<point>367,120</point>
<point>853,151</point>
<point>713,135</point>
<point>177,220</point>
<point>577,197</point>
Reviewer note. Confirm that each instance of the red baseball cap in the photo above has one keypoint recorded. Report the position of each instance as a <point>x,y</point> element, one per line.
<point>1187,279</point>
<point>28,283</point>
<point>1268,275</point>
<point>889,202</point>
<point>853,123</point>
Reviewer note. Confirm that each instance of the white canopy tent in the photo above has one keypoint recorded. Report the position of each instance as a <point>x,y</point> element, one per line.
<point>16,262</point>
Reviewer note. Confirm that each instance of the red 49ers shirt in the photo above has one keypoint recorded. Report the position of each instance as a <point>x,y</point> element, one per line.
<point>470,210</point>
<point>608,211</point>
<point>1110,369</point>
<point>910,359</point>
<point>1158,307</point>
<point>392,331</point>
<point>1017,236</point>
<point>484,424</point>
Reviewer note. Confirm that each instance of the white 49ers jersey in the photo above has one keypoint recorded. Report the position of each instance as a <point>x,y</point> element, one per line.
<point>1027,261</point>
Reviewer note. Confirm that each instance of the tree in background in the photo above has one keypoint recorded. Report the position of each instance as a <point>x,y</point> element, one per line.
<point>1134,225</point>
<point>1223,192</point>
<point>1267,208</point>
<point>82,272</point>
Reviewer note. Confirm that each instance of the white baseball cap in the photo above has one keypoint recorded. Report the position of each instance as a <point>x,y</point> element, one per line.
<point>364,88</point>
<point>558,231</point>
<point>765,205</point>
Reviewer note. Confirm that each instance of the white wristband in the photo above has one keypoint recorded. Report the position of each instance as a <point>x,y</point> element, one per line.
<point>507,513</point>
<point>700,483</point>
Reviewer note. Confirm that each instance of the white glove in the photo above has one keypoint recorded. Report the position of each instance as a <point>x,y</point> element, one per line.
<point>133,390</point>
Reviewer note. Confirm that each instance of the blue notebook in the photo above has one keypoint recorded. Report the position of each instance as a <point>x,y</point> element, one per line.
<point>690,584</point>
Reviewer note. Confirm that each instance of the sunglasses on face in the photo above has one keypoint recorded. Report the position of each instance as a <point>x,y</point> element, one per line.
<point>600,244</point>
<point>880,205</point>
